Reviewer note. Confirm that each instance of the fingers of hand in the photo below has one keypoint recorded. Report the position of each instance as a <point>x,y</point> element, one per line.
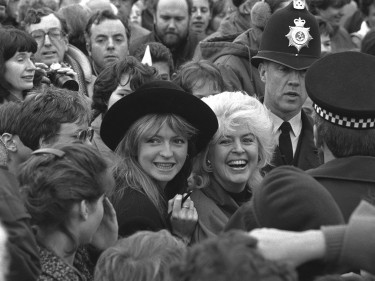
<point>67,71</point>
<point>187,212</point>
<point>187,204</point>
<point>109,209</point>
<point>176,205</point>
<point>41,65</point>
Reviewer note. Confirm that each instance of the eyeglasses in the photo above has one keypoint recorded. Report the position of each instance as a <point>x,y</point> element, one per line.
<point>54,34</point>
<point>83,135</point>
<point>86,135</point>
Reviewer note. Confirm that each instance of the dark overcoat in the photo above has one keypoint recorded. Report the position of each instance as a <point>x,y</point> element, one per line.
<point>349,180</point>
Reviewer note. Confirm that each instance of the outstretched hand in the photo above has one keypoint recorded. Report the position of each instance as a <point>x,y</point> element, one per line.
<point>293,247</point>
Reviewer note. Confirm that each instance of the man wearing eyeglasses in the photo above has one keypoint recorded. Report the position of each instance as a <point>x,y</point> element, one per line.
<point>50,31</point>
<point>55,115</point>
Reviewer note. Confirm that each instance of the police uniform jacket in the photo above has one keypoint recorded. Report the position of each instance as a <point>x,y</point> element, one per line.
<point>306,155</point>
<point>349,180</point>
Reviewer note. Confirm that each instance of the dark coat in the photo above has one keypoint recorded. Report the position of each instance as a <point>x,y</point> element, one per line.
<point>306,155</point>
<point>136,212</point>
<point>22,247</point>
<point>232,55</point>
<point>349,180</point>
<point>181,54</point>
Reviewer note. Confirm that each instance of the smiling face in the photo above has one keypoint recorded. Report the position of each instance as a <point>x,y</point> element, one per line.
<point>108,43</point>
<point>19,72</point>
<point>201,16</point>
<point>50,50</point>
<point>162,154</point>
<point>123,89</point>
<point>285,90</point>
<point>234,158</point>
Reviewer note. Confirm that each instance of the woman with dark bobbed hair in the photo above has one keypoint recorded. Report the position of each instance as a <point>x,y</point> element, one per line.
<point>17,69</point>
<point>65,193</point>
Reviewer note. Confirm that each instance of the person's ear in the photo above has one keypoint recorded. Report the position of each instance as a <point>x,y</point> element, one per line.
<point>88,44</point>
<point>262,72</point>
<point>9,142</point>
<point>84,209</point>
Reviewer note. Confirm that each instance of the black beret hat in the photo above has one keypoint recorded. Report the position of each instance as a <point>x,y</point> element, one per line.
<point>158,97</point>
<point>342,88</point>
<point>291,38</point>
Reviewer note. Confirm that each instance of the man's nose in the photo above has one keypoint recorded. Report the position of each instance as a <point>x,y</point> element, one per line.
<point>110,44</point>
<point>294,78</point>
<point>47,40</point>
<point>172,24</point>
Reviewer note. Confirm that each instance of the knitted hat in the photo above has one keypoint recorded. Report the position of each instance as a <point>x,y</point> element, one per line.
<point>289,199</point>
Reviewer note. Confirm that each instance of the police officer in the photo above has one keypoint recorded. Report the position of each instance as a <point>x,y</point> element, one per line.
<point>342,88</point>
<point>290,44</point>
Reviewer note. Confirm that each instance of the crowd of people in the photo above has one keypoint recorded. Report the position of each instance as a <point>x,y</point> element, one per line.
<point>178,140</point>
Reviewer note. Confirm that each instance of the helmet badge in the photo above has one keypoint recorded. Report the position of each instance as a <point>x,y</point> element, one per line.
<point>299,35</point>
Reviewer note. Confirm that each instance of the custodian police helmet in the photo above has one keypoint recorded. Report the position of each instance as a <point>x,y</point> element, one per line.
<point>291,38</point>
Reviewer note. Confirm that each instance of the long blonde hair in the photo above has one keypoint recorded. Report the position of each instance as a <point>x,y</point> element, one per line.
<point>129,173</point>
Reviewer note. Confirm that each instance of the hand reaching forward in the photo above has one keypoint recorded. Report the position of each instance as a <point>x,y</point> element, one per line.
<point>293,247</point>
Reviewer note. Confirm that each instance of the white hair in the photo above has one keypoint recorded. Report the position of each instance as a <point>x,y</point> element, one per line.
<point>234,109</point>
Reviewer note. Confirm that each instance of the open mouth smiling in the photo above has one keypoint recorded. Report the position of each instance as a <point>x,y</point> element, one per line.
<point>237,164</point>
